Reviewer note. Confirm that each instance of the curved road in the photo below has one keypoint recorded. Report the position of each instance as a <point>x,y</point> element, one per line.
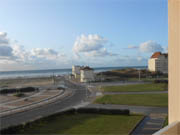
<point>79,94</point>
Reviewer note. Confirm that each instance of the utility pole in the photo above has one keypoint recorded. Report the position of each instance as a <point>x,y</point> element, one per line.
<point>139,75</point>
<point>101,81</point>
<point>53,79</point>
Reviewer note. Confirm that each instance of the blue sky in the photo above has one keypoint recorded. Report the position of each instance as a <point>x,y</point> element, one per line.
<point>90,32</point>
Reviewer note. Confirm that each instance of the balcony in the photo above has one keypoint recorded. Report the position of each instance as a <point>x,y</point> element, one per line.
<point>172,129</point>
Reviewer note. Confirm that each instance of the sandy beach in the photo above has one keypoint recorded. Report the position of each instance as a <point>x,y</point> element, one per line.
<point>25,82</point>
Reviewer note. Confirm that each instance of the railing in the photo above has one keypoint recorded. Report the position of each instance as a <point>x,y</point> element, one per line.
<point>172,129</point>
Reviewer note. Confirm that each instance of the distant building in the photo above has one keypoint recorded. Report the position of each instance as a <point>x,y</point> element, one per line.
<point>158,62</point>
<point>87,74</point>
<point>76,71</point>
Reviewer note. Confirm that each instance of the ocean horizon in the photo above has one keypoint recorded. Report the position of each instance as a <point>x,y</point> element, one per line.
<point>50,72</point>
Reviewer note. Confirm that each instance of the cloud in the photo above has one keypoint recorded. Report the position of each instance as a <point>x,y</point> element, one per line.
<point>132,47</point>
<point>3,38</point>
<point>150,47</point>
<point>14,56</point>
<point>5,51</point>
<point>91,45</point>
<point>100,53</point>
<point>44,53</point>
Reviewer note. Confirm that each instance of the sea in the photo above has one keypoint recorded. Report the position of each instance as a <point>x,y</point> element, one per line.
<point>50,72</point>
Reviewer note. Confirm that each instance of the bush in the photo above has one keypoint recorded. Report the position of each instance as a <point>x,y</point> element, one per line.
<point>15,90</point>
<point>103,111</point>
<point>19,94</point>
<point>87,110</point>
<point>161,81</point>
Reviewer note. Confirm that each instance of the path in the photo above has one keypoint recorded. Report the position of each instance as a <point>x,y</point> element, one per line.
<point>151,124</point>
<point>117,83</point>
<point>147,92</point>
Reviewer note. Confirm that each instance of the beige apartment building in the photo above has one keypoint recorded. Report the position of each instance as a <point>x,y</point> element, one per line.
<point>76,71</point>
<point>158,62</point>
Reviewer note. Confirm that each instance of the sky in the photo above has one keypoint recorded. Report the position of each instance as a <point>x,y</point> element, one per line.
<point>56,34</point>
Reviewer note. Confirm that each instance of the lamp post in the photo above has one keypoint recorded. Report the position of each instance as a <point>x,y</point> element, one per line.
<point>139,74</point>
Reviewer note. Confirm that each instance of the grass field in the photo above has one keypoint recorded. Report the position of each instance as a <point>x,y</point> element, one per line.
<point>136,88</point>
<point>84,124</point>
<point>166,122</point>
<point>160,100</point>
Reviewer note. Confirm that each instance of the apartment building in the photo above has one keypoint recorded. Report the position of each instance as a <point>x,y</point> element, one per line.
<point>76,71</point>
<point>87,74</point>
<point>158,62</point>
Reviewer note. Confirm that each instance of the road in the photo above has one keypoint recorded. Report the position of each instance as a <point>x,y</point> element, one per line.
<point>134,93</point>
<point>118,83</point>
<point>78,95</point>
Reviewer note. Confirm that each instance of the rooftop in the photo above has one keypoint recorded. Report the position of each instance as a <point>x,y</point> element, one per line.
<point>157,54</point>
<point>86,68</point>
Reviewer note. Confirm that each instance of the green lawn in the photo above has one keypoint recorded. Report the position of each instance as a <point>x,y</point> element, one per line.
<point>136,88</point>
<point>84,124</point>
<point>160,100</point>
<point>166,122</point>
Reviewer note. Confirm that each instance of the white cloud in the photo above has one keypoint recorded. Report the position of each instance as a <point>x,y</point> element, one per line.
<point>100,53</point>
<point>5,51</point>
<point>91,45</point>
<point>3,38</point>
<point>150,47</point>
<point>14,56</point>
<point>132,47</point>
<point>46,53</point>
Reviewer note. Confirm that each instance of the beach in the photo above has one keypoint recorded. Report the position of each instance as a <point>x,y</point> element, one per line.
<point>25,82</point>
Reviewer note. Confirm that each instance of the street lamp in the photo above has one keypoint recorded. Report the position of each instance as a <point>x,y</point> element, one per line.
<point>139,74</point>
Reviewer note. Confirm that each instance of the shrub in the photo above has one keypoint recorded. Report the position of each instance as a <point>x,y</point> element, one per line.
<point>19,94</point>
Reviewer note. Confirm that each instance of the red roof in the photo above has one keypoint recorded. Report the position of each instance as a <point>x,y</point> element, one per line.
<point>156,55</point>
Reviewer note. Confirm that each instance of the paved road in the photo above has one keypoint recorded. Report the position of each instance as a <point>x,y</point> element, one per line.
<point>22,99</point>
<point>79,94</point>
<point>148,92</point>
<point>150,124</point>
<point>118,83</point>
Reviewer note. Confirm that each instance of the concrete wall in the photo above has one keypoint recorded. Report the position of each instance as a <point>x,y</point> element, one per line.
<point>174,59</point>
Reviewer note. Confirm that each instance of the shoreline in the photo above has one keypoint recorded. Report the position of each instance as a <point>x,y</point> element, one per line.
<point>51,72</point>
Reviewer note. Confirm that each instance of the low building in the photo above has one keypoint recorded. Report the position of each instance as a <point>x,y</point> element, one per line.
<point>158,63</point>
<point>76,71</point>
<point>87,74</point>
